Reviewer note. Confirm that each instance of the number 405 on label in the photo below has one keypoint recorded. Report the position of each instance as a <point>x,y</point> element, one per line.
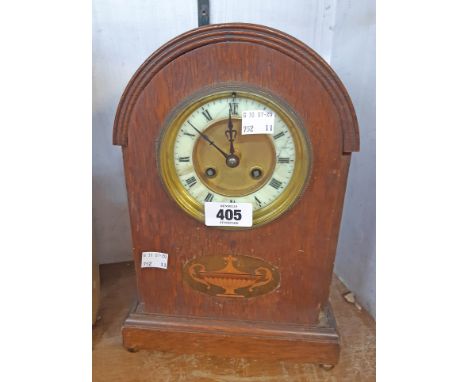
<point>219,214</point>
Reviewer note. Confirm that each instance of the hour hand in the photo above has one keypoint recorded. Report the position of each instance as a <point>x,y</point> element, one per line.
<point>231,134</point>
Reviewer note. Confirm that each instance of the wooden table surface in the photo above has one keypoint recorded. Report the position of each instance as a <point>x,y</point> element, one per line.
<point>111,362</point>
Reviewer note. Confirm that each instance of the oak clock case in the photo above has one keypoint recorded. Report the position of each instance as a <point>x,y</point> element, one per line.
<point>260,292</point>
<point>204,156</point>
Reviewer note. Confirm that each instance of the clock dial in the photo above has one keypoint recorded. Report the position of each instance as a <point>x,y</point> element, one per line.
<point>264,166</point>
<point>204,157</point>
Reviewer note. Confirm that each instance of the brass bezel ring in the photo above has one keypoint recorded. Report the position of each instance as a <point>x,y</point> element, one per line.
<point>165,152</point>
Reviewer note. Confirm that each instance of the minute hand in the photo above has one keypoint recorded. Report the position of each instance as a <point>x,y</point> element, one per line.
<point>205,137</point>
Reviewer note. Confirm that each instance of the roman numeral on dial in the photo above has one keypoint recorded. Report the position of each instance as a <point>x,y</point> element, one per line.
<point>283,160</point>
<point>188,134</point>
<point>190,181</point>
<point>233,107</point>
<point>258,201</point>
<point>209,197</point>
<point>279,135</point>
<point>233,104</point>
<point>207,115</point>
<point>275,183</point>
<point>184,159</point>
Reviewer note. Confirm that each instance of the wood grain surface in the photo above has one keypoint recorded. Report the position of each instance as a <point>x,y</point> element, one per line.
<point>301,244</point>
<point>239,32</point>
<point>111,362</point>
<point>236,338</point>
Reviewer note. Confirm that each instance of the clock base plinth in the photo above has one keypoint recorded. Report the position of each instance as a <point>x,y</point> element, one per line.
<point>238,339</point>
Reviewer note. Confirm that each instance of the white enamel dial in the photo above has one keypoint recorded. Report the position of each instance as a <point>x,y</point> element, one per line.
<point>212,112</point>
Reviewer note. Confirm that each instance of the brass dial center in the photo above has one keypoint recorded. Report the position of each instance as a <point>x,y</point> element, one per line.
<point>241,173</point>
<point>232,161</point>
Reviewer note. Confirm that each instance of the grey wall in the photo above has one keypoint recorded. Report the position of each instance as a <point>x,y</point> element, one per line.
<point>353,58</point>
<point>126,33</point>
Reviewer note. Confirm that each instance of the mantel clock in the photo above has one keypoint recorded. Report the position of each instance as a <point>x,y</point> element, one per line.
<point>237,140</point>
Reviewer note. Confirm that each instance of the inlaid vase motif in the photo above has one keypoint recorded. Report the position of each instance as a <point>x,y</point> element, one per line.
<point>240,276</point>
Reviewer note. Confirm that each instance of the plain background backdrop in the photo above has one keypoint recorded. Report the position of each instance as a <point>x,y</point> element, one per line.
<point>342,32</point>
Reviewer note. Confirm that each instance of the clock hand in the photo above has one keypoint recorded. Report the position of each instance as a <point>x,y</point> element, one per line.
<point>205,137</point>
<point>230,134</point>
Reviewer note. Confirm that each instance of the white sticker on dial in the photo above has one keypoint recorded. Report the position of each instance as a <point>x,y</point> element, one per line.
<point>220,214</point>
<point>258,122</point>
<point>154,260</point>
